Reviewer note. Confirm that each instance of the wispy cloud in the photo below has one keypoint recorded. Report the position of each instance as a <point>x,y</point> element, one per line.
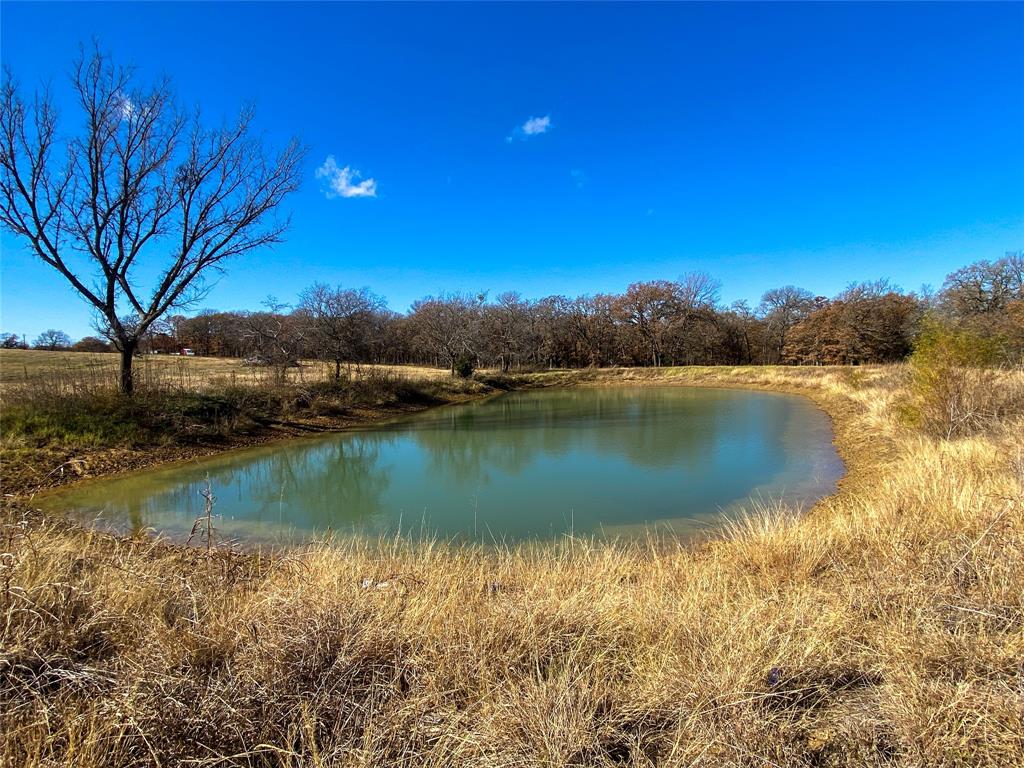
<point>344,181</point>
<point>535,126</point>
<point>127,107</point>
<point>579,176</point>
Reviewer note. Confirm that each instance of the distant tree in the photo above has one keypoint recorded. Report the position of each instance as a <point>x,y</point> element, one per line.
<point>214,333</point>
<point>505,327</point>
<point>987,299</point>
<point>985,287</point>
<point>551,332</point>
<point>91,344</point>
<point>591,321</point>
<point>695,332</point>
<point>341,322</point>
<point>142,178</point>
<point>866,323</point>
<point>274,336</point>
<point>52,340</point>
<point>12,341</point>
<point>447,326</point>
<point>649,309</point>
<point>158,338</point>
<point>781,309</point>
<point>740,333</point>
<point>662,310</point>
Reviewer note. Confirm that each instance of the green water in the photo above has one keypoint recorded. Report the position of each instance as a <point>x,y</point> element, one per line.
<point>614,461</point>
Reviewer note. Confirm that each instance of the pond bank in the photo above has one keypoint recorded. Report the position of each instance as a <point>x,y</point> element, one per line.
<point>34,468</point>
<point>34,464</point>
<point>30,469</point>
<point>605,461</point>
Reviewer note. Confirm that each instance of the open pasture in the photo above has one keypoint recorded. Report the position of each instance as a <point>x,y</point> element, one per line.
<point>86,370</point>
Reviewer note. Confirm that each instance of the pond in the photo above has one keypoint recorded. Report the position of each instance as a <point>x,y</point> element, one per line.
<point>615,461</point>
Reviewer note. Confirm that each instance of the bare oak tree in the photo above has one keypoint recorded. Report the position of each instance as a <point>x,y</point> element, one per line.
<point>782,308</point>
<point>52,340</point>
<point>275,336</point>
<point>341,321</point>
<point>446,326</point>
<point>142,178</point>
<point>659,309</point>
<point>985,287</point>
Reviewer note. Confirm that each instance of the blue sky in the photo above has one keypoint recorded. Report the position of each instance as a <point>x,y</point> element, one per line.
<point>577,148</point>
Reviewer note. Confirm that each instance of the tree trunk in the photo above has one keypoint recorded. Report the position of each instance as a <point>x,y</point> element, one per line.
<point>127,358</point>
<point>337,369</point>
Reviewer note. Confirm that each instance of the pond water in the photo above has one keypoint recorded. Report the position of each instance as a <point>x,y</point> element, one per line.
<point>605,461</point>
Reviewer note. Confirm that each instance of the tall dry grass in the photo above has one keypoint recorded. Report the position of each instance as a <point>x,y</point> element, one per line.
<point>74,372</point>
<point>884,628</point>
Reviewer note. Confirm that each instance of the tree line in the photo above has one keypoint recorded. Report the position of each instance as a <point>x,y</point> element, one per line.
<point>654,323</point>
<point>144,178</point>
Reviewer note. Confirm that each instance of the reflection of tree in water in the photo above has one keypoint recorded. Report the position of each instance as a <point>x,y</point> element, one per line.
<point>649,427</point>
<point>507,439</point>
<point>334,484</point>
<point>696,448</point>
<point>328,484</point>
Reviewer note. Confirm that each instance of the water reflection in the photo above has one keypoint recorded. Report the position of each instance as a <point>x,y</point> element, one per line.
<point>528,464</point>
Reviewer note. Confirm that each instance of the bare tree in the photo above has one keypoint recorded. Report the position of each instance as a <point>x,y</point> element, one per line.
<point>142,177</point>
<point>12,341</point>
<point>275,336</point>
<point>52,340</point>
<point>739,326</point>
<point>985,286</point>
<point>341,321</point>
<point>695,326</point>
<point>659,309</point>
<point>592,323</point>
<point>782,308</point>
<point>505,326</point>
<point>447,326</point>
<point>649,308</point>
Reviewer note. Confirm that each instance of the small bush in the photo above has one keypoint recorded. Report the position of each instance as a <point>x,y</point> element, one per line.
<point>464,366</point>
<point>953,389</point>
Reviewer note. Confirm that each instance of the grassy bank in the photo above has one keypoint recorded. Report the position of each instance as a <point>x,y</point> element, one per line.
<point>883,629</point>
<point>65,420</point>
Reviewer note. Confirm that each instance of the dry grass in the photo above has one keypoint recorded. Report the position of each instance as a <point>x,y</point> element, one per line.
<point>74,371</point>
<point>885,628</point>
<point>62,423</point>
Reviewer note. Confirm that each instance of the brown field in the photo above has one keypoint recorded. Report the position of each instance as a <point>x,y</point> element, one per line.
<point>86,369</point>
<point>62,418</point>
<point>885,628</point>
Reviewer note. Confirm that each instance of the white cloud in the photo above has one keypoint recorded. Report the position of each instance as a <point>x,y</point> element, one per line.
<point>126,108</point>
<point>532,127</point>
<point>344,182</point>
<point>536,125</point>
